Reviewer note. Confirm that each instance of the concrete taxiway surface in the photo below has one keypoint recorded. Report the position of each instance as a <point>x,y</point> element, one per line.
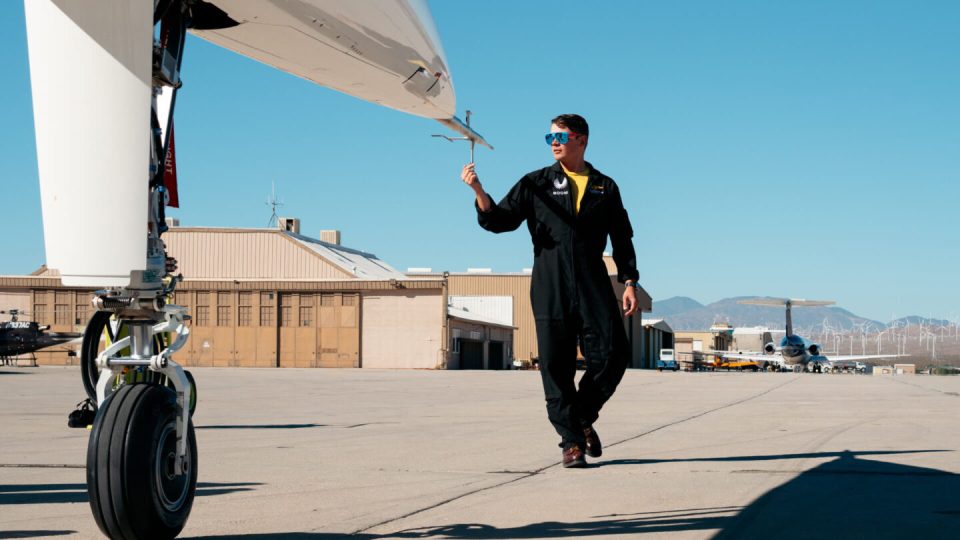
<point>429,454</point>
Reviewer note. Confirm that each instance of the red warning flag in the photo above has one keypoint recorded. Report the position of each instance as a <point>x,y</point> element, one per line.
<point>170,173</point>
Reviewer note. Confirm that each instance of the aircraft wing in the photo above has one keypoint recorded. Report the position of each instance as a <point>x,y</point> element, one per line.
<point>90,68</point>
<point>383,51</point>
<point>784,301</point>
<point>854,357</point>
<point>746,356</point>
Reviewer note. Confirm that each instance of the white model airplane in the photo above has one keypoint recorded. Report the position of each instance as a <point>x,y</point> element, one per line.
<point>795,351</point>
<point>105,76</point>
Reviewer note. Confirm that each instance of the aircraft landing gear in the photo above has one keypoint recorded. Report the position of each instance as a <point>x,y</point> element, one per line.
<point>134,487</point>
<point>142,452</point>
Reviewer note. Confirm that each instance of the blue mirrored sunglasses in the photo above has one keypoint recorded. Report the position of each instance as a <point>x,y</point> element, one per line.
<point>561,137</point>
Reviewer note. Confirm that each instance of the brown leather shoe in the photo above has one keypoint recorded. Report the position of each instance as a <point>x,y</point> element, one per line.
<point>573,457</point>
<point>594,447</point>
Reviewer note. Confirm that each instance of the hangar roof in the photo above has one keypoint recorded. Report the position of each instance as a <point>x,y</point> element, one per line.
<point>658,324</point>
<point>360,264</point>
<point>272,254</point>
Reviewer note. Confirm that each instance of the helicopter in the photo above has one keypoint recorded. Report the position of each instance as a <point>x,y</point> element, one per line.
<point>24,337</point>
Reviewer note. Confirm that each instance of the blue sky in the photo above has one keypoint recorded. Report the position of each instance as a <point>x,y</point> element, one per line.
<point>807,149</point>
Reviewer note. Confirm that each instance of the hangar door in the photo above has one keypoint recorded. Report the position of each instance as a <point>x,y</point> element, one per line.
<point>319,330</point>
<point>471,354</point>
<point>496,355</point>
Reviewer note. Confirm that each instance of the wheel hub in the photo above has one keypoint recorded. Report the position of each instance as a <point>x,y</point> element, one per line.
<point>172,489</point>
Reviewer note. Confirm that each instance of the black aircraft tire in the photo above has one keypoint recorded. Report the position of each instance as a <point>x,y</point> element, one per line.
<point>89,371</point>
<point>130,458</point>
<point>193,391</point>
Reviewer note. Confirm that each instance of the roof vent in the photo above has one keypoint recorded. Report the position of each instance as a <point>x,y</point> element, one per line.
<point>330,237</point>
<point>289,224</point>
<point>172,222</point>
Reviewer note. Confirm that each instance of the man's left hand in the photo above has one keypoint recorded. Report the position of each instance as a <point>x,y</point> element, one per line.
<point>630,301</point>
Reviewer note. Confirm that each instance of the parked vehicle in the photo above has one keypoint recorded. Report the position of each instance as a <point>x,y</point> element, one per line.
<point>667,360</point>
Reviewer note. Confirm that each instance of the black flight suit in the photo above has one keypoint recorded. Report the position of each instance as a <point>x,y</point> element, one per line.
<point>573,299</point>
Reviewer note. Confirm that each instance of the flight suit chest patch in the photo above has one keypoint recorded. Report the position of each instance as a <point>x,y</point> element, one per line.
<point>561,186</point>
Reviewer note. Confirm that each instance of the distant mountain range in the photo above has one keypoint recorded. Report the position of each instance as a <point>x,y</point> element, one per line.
<point>685,314</point>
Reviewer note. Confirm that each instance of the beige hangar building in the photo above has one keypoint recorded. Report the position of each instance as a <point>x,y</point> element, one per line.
<point>277,298</point>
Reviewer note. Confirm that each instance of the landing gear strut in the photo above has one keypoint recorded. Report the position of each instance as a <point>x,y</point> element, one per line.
<point>142,452</point>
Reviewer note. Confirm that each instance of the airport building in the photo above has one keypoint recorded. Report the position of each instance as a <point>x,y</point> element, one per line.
<point>511,292</point>
<point>277,298</point>
<point>657,334</point>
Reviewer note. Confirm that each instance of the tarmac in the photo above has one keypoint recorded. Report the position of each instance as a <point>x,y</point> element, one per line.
<point>377,454</point>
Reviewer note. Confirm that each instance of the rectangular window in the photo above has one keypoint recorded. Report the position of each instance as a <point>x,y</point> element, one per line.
<point>81,315</point>
<point>306,300</point>
<point>223,316</point>
<point>203,315</point>
<point>203,299</point>
<point>306,315</point>
<point>223,299</point>
<point>266,316</point>
<point>40,313</point>
<point>61,313</point>
<point>62,297</point>
<point>286,316</point>
<point>326,300</point>
<point>245,299</point>
<point>266,299</point>
<point>349,300</point>
<point>244,313</point>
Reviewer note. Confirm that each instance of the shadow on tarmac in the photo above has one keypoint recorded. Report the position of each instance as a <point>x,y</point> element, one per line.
<point>847,497</point>
<point>262,426</point>
<point>810,455</point>
<point>33,534</point>
<point>77,493</point>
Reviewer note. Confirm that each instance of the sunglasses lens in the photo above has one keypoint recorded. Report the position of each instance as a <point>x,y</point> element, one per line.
<point>563,137</point>
<point>549,137</point>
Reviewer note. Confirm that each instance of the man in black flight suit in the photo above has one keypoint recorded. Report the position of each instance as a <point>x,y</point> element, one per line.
<point>570,209</point>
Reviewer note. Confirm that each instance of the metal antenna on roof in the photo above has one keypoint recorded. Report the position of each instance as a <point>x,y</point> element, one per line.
<point>472,141</point>
<point>273,203</point>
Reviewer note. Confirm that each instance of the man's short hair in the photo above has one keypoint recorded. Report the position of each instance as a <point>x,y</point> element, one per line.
<point>573,122</point>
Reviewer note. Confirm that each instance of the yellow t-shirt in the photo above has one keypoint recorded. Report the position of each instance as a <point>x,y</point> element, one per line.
<point>579,180</point>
